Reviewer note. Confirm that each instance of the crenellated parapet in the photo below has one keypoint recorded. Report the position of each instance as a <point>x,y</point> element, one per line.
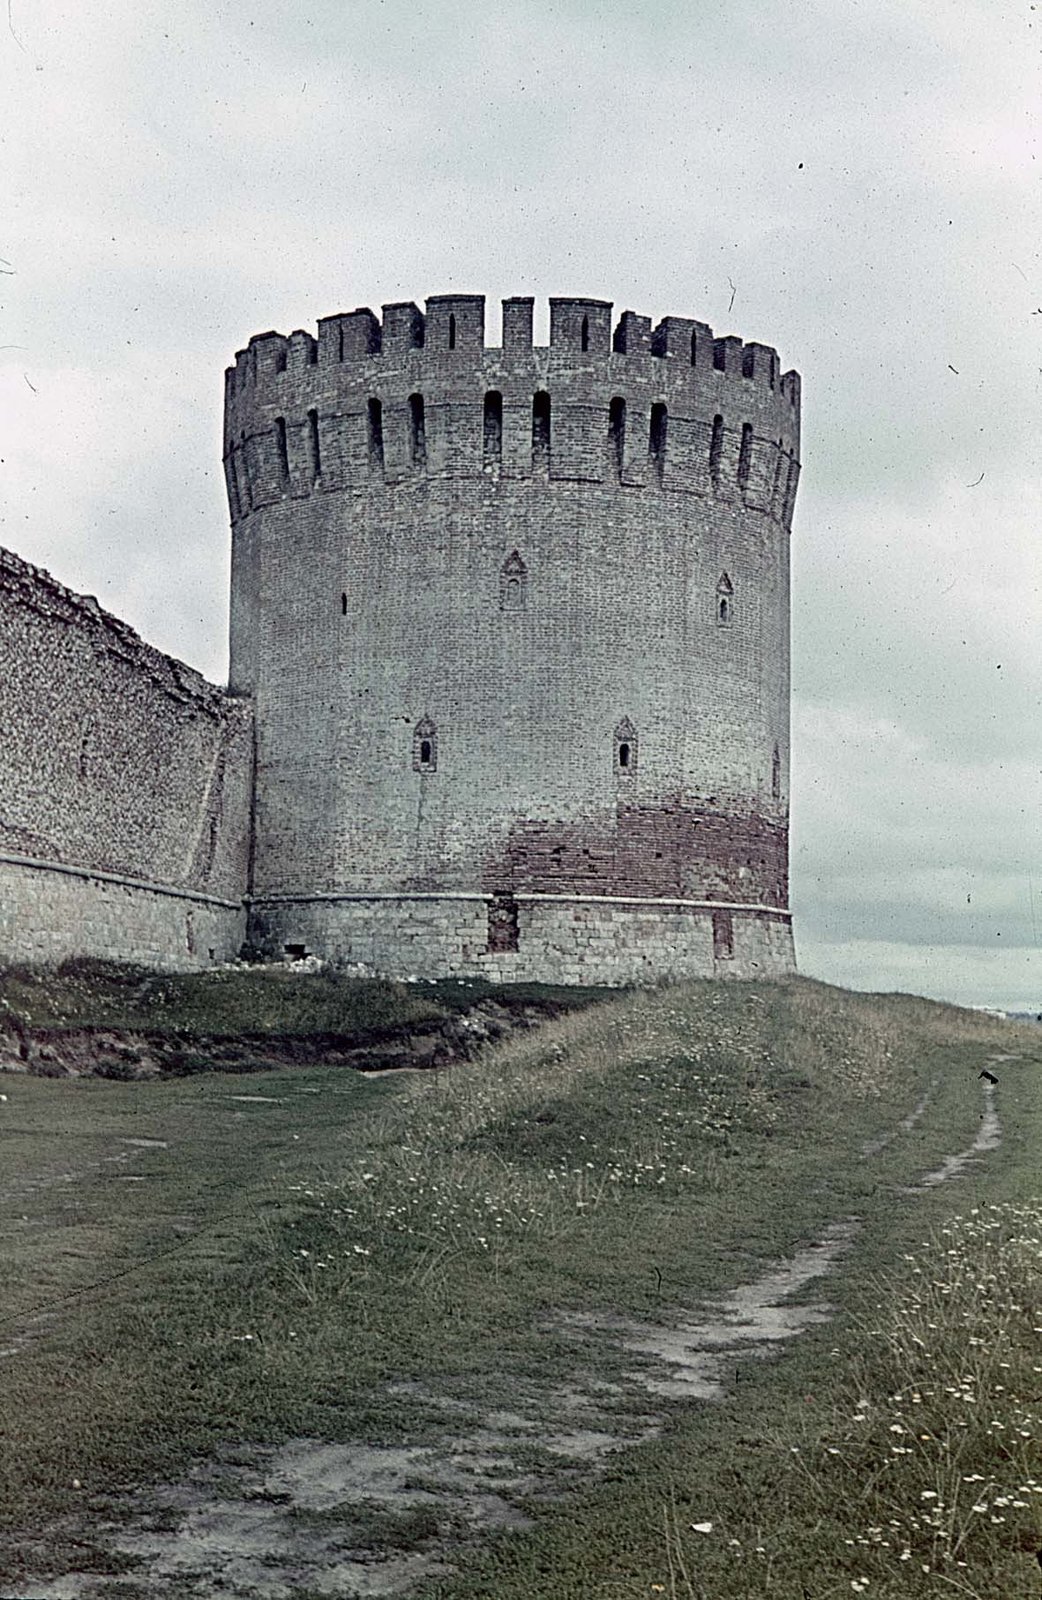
<point>417,394</point>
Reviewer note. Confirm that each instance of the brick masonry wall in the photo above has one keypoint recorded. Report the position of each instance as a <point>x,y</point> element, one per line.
<point>124,767</point>
<point>418,568</point>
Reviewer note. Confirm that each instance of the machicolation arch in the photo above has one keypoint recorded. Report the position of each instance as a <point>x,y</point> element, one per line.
<point>717,418</point>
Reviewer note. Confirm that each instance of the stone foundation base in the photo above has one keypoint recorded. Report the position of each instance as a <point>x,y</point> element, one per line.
<point>529,938</point>
<point>49,911</point>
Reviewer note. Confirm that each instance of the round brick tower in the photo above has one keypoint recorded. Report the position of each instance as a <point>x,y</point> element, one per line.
<point>516,626</point>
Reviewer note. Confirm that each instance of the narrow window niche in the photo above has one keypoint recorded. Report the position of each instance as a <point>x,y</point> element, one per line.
<point>314,448</point>
<point>724,601</point>
<point>541,432</point>
<point>493,429</point>
<point>745,455</point>
<point>343,602</point>
<point>779,462</point>
<point>241,458</point>
<point>584,334</point>
<point>425,746</point>
<point>657,440</point>
<point>617,434</point>
<point>282,451</point>
<point>716,450</point>
<point>417,432</point>
<point>790,488</point>
<point>625,739</point>
<point>723,936</point>
<point>776,774</point>
<point>513,583</point>
<point>376,435</point>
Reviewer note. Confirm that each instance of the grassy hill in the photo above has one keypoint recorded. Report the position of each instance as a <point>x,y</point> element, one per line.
<point>215,1269</point>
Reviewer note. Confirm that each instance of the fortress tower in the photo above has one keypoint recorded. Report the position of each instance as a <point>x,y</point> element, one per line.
<point>515,624</point>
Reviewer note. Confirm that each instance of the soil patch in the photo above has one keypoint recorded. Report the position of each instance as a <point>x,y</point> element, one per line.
<point>689,1358</point>
<point>332,1518</point>
<point>989,1137</point>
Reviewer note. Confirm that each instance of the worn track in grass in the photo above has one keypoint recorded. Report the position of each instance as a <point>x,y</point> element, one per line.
<point>350,1517</point>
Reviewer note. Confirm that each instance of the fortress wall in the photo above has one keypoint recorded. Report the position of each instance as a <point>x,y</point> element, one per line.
<point>618,621</point>
<point>124,789</point>
<point>49,912</point>
<point>568,941</point>
<point>521,551</point>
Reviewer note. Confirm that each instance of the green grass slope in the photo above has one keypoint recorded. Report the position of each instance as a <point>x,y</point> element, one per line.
<point>282,1261</point>
<point>87,993</point>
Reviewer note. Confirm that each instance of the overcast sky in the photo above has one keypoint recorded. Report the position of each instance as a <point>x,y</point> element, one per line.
<point>860,178</point>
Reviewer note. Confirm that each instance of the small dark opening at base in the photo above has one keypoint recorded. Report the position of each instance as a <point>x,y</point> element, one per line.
<point>502,923</point>
<point>723,936</point>
<point>295,952</point>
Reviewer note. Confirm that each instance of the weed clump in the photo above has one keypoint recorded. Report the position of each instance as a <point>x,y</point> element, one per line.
<point>921,1473</point>
<point>948,1405</point>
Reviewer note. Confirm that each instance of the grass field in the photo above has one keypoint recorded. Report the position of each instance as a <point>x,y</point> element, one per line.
<point>215,1269</point>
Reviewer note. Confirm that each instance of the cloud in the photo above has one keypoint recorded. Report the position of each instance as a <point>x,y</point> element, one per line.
<point>856,185</point>
<point>899,844</point>
<point>1008,978</point>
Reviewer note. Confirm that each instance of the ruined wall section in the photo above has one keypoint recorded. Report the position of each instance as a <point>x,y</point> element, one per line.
<point>522,561</point>
<point>124,789</point>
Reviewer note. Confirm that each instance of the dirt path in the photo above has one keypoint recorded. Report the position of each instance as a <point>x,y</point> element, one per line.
<point>354,1520</point>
